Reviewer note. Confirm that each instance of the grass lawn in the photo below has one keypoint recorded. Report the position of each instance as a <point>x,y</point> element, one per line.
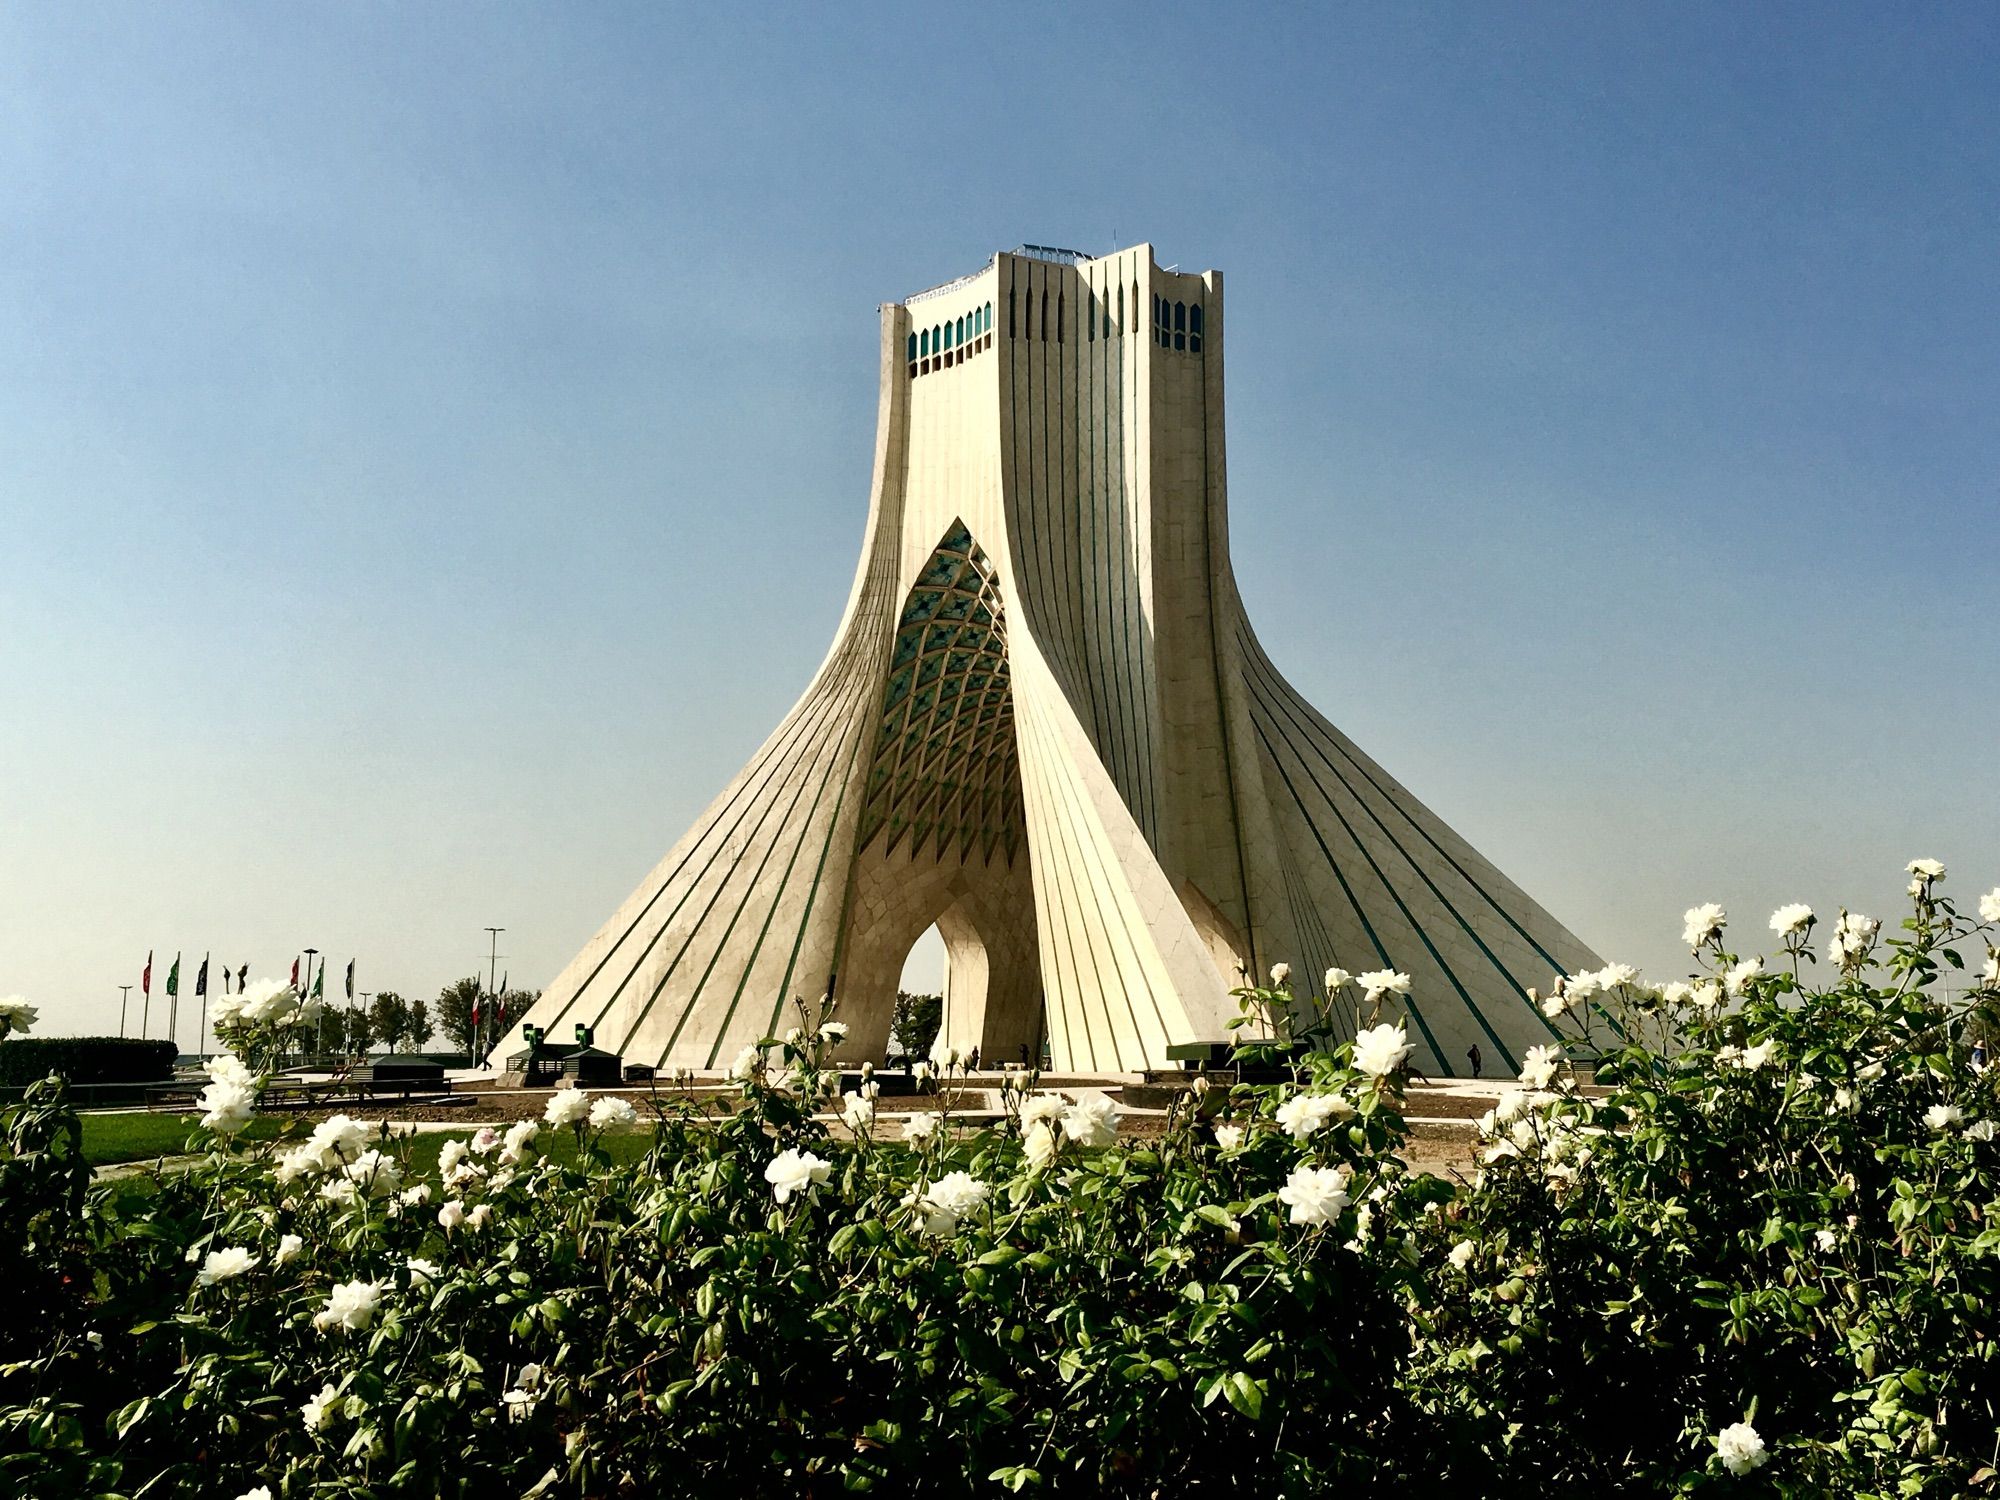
<point>142,1136</point>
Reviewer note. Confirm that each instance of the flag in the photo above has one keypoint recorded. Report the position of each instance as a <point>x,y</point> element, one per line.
<point>475,1010</point>
<point>146,979</point>
<point>350,981</point>
<point>201,979</point>
<point>242,978</point>
<point>174,977</point>
<point>319,982</point>
<point>295,974</point>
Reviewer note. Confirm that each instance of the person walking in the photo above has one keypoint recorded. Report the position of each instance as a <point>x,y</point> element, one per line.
<point>1472,1056</point>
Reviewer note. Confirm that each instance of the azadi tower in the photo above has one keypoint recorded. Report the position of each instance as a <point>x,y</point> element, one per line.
<point>1046,726</point>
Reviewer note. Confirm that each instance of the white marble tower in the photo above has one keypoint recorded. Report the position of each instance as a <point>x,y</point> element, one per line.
<point>1046,726</point>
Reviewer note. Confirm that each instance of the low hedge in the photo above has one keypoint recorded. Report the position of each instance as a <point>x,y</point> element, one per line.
<point>86,1059</point>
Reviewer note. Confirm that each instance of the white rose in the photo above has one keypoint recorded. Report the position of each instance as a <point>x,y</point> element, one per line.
<point>1039,1145</point>
<point>338,1139</point>
<point>1938,1117</point>
<point>1381,1050</point>
<point>610,1111</point>
<point>514,1144</point>
<point>1702,924</point>
<point>793,1171</point>
<point>451,1215</point>
<point>223,1264</point>
<point>1303,1115</point>
<point>227,1107</point>
<point>351,1307</point>
<point>290,1248</point>
<point>1739,1448</point>
<point>1989,905</point>
<point>320,1411</point>
<point>1379,982</point>
<point>1229,1137</point>
<point>1092,1120</point>
<point>948,1200</point>
<point>1928,871</point>
<point>918,1126</point>
<point>1789,921</point>
<point>1042,1109</point>
<point>1737,980</point>
<point>1280,973</point>
<point>1539,1069</point>
<point>568,1107</point>
<point>1335,978</point>
<point>1316,1195</point>
<point>1753,1058</point>
<point>1461,1255</point>
<point>375,1174</point>
<point>858,1112</point>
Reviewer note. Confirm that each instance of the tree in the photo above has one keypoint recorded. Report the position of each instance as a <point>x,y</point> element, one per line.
<point>389,1018</point>
<point>421,1025</point>
<point>347,1030</point>
<point>454,1010</point>
<point>916,1022</point>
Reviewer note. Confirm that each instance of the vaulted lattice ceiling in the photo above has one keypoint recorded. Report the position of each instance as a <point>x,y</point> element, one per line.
<point>946,776</point>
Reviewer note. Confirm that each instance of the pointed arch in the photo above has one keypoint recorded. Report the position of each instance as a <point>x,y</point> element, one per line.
<point>946,773</point>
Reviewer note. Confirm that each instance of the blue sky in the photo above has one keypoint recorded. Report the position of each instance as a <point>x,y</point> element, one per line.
<point>434,441</point>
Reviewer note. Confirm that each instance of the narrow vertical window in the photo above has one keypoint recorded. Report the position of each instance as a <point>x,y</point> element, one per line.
<point>1194,328</point>
<point>1180,325</point>
<point>1010,313</point>
<point>1091,314</point>
<point>1045,316</point>
<point>1061,318</point>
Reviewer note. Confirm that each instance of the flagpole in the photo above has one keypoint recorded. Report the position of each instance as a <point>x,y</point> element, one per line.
<point>174,1006</point>
<point>308,975</point>
<point>201,1036</point>
<point>124,999</point>
<point>492,969</point>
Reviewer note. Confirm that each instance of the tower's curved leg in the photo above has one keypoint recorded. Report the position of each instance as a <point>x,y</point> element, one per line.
<point>1378,880</point>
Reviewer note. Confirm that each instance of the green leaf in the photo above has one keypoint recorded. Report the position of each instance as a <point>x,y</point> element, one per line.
<point>1245,1394</point>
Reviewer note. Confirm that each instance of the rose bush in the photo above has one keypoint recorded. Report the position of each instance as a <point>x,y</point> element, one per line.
<point>1761,1258</point>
